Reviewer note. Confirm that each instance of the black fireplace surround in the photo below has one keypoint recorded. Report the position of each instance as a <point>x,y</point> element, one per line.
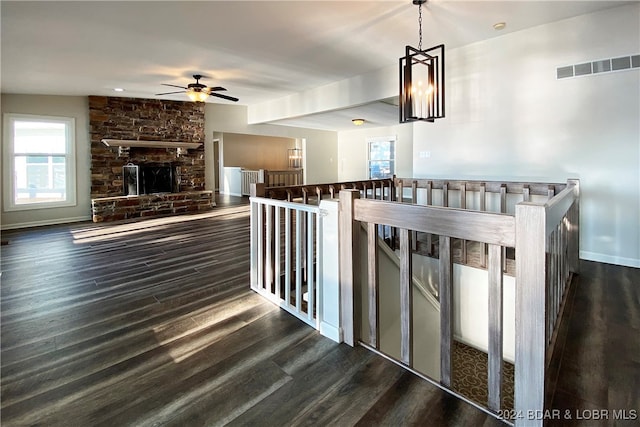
<point>149,178</point>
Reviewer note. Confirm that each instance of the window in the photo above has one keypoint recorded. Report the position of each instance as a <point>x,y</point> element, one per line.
<point>382,155</point>
<point>39,162</point>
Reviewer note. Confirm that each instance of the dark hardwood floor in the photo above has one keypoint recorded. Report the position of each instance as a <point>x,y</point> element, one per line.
<point>150,323</point>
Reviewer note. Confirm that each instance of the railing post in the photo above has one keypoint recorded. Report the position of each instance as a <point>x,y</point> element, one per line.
<point>257,189</point>
<point>574,231</point>
<point>531,340</point>
<point>349,268</point>
<point>329,289</point>
<point>445,269</point>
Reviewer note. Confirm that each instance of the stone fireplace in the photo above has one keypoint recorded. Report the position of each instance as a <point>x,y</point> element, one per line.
<point>163,140</point>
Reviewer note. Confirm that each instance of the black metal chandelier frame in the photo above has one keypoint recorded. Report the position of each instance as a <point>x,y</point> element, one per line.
<point>422,81</point>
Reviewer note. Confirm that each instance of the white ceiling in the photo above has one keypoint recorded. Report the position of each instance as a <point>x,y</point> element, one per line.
<point>258,50</point>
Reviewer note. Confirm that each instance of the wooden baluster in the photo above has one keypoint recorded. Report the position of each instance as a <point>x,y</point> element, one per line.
<point>318,195</point>
<point>463,205</point>
<point>277,255</point>
<point>261,246</point>
<point>373,285</point>
<point>483,207</point>
<point>299,258</point>
<point>526,193</point>
<point>574,235</point>
<point>390,198</point>
<point>288,254</point>
<point>268,261</point>
<point>495,328</point>
<point>309,270</point>
<point>305,215</point>
<point>406,299</point>
<point>503,209</point>
<point>400,197</point>
<point>414,234</point>
<point>445,268</point>
<point>430,247</point>
<point>445,194</point>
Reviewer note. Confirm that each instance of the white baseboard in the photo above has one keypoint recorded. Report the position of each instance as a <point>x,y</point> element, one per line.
<point>44,222</point>
<point>331,332</point>
<point>608,259</point>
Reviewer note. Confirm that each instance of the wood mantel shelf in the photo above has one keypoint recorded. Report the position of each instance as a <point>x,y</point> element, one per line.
<point>149,144</point>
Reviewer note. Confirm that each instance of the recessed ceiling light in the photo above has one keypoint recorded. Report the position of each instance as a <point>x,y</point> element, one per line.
<point>118,89</point>
<point>499,26</point>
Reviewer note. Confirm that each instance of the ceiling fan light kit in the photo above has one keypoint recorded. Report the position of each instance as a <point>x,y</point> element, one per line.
<point>422,80</point>
<point>197,92</point>
<point>197,95</point>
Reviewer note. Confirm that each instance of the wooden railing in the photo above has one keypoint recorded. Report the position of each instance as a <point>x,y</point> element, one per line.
<point>539,221</point>
<point>545,238</point>
<point>270,178</point>
<point>314,193</point>
<point>286,239</point>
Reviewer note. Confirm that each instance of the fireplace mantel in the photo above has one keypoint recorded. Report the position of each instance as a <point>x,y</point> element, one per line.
<point>149,144</point>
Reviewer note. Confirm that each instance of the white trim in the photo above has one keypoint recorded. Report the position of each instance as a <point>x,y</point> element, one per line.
<point>332,332</point>
<point>45,222</point>
<point>8,163</point>
<point>610,259</point>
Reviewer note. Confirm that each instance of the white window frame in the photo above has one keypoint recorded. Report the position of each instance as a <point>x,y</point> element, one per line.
<point>9,162</point>
<point>378,139</point>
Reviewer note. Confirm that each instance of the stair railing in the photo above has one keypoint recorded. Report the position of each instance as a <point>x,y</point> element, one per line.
<point>545,238</point>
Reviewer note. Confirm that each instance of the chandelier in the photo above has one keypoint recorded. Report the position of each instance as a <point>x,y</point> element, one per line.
<point>422,80</point>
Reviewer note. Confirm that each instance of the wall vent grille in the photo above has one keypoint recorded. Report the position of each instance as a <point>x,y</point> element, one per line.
<point>621,63</point>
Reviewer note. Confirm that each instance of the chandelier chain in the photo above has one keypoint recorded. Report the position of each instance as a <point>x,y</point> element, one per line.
<point>420,26</point>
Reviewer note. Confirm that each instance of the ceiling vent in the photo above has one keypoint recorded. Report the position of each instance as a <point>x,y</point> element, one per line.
<point>622,63</point>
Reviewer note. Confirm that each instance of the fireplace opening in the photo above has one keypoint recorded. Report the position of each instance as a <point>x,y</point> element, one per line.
<point>150,178</point>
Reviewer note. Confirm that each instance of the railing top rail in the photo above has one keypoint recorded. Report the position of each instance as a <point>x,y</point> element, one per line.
<point>558,206</point>
<point>298,190</point>
<point>282,171</point>
<point>285,204</point>
<point>511,187</point>
<point>334,184</point>
<point>486,227</point>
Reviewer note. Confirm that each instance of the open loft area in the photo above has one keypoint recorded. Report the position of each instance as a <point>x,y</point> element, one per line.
<point>435,186</point>
<point>514,110</point>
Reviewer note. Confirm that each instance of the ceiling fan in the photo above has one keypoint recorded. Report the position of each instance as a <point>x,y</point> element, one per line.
<point>198,92</point>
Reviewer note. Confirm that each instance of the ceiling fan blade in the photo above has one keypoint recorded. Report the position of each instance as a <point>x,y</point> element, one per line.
<point>165,84</point>
<point>216,89</point>
<point>169,93</point>
<point>230,98</point>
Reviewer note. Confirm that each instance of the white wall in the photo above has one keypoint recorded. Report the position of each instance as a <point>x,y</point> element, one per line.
<point>352,151</point>
<point>60,106</point>
<point>320,147</point>
<point>509,118</point>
